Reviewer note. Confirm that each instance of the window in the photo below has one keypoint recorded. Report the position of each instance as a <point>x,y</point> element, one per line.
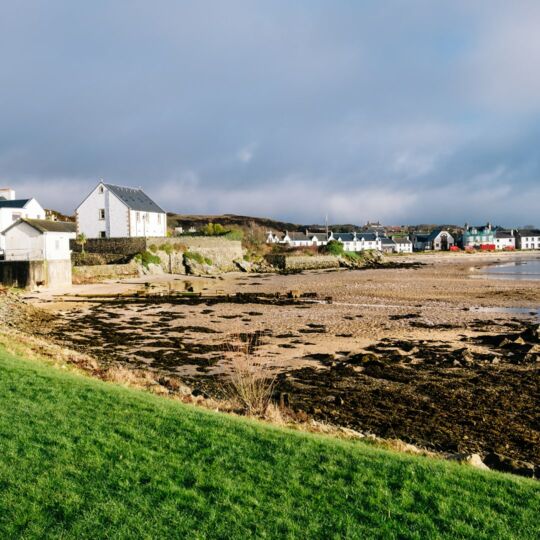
<point>159,218</point>
<point>102,213</point>
<point>102,234</point>
<point>101,190</point>
<point>57,245</point>
<point>138,216</point>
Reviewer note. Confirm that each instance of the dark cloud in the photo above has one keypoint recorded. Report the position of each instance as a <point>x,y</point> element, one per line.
<point>403,111</point>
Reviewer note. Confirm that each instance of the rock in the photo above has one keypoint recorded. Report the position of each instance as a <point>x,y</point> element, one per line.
<point>507,464</point>
<point>242,265</point>
<point>474,460</point>
<point>294,294</point>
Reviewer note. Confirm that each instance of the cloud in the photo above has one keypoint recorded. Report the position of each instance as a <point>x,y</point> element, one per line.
<point>290,110</point>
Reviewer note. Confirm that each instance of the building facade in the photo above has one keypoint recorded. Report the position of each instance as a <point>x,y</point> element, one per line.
<point>478,237</point>
<point>111,211</point>
<point>13,209</point>
<point>505,240</point>
<point>528,239</point>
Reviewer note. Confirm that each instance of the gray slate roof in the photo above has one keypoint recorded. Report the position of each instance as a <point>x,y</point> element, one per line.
<point>503,234</point>
<point>401,240</point>
<point>44,225</point>
<point>367,236</point>
<point>529,232</point>
<point>344,237</point>
<point>135,199</point>
<point>385,241</point>
<point>17,203</point>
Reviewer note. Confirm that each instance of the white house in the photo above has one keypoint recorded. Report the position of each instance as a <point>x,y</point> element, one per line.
<point>39,240</point>
<point>403,244</point>
<point>111,211</point>
<point>12,209</point>
<point>300,239</point>
<point>528,239</point>
<point>505,240</point>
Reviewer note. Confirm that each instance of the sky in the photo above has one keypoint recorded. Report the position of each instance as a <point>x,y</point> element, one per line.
<point>403,111</point>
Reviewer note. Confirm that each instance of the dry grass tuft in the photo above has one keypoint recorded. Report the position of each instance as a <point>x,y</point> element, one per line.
<point>251,381</point>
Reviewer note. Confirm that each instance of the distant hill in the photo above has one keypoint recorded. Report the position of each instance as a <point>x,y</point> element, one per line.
<point>232,220</point>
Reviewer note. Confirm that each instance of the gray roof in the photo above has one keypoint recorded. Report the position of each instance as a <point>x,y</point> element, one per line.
<point>503,234</point>
<point>321,237</point>
<point>134,198</point>
<point>433,234</point>
<point>529,232</point>
<point>44,225</point>
<point>17,203</point>
<point>298,236</point>
<point>367,236</point>
<point>401,240</point>
<point>385,241</point>
<point>344,237</point>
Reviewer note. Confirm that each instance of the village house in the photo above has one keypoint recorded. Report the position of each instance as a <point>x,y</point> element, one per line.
<point>437,240</point>
<point>505,240</point>
<point>37,253</point>
<point>299,239</point>
<point>402,244</point>
<point>348,240</point>
<point>478,237</point>
<point>528,239</point>
<point>111,211</point>
<point>387,245</point>
<point>369,241</point>
<point>13,209</point>
<point>39,240</point>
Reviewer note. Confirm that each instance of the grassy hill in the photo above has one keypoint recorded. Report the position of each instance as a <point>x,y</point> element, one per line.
<point>85,459</point>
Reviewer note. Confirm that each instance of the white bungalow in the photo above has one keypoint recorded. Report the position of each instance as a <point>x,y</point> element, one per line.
<point>302,239</point>
<point>111,211</point>
<point>13,209</point>
<point>403,244</point>
<point>505,240</point>
<point>39,240</point>
<point>528,239</point>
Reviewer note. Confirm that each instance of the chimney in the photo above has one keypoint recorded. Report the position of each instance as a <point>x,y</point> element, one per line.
<point>7,193</point>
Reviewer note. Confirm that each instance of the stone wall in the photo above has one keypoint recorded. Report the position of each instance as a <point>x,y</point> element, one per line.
<point>220,251</point>
<point>303,262</point>
<point>82,274</point>
<point>127,247</point>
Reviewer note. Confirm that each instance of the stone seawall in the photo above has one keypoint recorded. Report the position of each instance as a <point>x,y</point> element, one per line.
<point>83,274</point>
<point>220,251</point>
<point>303,262</point>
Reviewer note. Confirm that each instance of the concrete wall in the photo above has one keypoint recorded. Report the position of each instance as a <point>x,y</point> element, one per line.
<point>29,274</point>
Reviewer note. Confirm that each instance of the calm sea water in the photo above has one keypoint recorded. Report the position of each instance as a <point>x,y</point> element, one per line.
<point>522,269</point>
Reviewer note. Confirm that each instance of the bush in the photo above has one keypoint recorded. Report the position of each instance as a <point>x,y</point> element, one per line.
<point>333,248</point>
<point>197,257</point>
<point>146,259</point>
<point>235,234</point>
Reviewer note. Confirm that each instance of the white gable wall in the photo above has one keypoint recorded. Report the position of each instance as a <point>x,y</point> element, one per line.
<point>117,216</point>
<point>24,243</point>
<point>32,210</point>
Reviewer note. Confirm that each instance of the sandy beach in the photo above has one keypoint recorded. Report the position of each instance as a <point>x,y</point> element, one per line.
<point>415,353</point>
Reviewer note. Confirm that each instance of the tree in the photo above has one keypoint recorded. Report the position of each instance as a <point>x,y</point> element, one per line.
<point>81,240</point>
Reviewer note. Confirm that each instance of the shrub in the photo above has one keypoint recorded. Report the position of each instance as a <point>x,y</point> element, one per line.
<point>197,257</point>
<point>153,248</point>
<point>234,234</point>
<point>333,248</point>
<point>146,258</point>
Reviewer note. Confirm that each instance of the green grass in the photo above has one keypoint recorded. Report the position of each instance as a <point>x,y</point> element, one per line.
<point>85,459</point>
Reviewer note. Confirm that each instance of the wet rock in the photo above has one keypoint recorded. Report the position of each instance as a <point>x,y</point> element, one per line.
<point>507,464</point>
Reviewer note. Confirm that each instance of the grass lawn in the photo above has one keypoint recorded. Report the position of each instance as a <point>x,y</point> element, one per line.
<point>84,459</point>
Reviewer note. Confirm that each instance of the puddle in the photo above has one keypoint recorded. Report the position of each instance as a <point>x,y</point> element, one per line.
<point>512,310</point>
<point>516,270</point>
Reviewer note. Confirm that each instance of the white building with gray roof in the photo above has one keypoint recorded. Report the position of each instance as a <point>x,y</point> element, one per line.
<point>111,211</point>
